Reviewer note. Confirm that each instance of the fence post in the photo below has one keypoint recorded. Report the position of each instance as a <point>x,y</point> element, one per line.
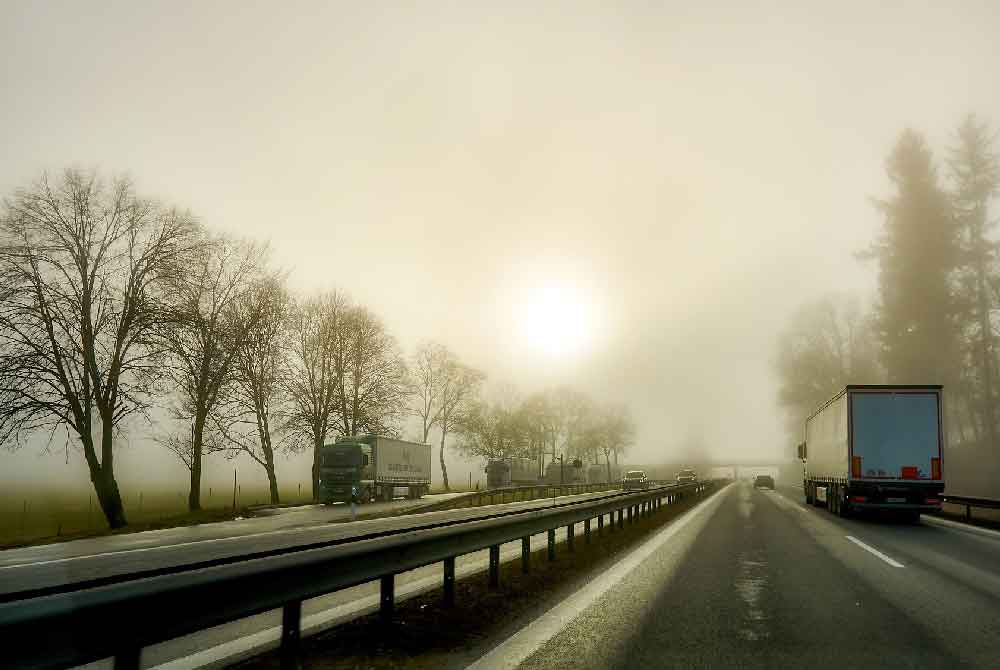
<point>291,634</point>
<point>495,566</point>
<point>128,659</point>
<point>387,597</point>
<point>449,581</point>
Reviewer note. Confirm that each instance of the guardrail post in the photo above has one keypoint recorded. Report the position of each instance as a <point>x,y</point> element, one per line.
<point>586,531</point>
<point>968,512</point>
<point>128,659</point>
<point>526,554</point>
<point>570,529</point>
<point>387,597</point>
<point>630,514</point>
<point>621,519</point>
<point>291,635</point>
<point>600,525</point>
<point>494,566</point>
<point>552,544</point>
<point>449,581</point>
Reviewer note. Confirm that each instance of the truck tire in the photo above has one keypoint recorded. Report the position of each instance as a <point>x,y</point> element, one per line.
<point>809,493</point>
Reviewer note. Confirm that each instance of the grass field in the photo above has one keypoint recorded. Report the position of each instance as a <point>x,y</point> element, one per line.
<point>28,516</point>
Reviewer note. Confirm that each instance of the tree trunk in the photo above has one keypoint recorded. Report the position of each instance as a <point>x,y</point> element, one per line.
<point>986,347</point>
<point>444,468</point>
<point>194,495</point>
<point>272,481</point>
<point>317,446</point>
<point>103,477</point>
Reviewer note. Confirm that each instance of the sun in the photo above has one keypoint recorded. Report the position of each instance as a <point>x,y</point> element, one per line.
<point>557,319</point>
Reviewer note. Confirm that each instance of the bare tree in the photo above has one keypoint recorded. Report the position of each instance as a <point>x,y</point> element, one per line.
<point>443,388</point>
<point>373,385</point>
<point>617,433</point>
<point>205,335</point>
<point>81,263</point>
<point>257,391</point>
<point>315,368</point>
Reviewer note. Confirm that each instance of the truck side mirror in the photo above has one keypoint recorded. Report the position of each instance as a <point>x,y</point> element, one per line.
<point>802,451</point>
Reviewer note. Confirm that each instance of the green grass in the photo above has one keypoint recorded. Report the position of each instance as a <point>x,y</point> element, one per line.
<point>33,516</point>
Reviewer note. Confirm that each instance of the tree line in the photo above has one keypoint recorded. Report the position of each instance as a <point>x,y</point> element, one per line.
<point>115,307</point>
<point>935,316</point>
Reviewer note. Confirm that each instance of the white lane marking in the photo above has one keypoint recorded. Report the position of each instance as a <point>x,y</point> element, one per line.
<point>514,650</point>
<point>959,526</point>
<point>874,552</point>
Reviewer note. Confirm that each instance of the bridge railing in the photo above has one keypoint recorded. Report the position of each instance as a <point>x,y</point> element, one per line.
<point>76,624</point>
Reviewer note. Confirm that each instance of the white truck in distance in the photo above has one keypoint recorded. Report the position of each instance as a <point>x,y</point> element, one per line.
<point>876,447</point>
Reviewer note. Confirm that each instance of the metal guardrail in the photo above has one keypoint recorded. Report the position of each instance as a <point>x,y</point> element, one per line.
<point>969,503</point>
<point>80,625</point>
<point>508,494</point>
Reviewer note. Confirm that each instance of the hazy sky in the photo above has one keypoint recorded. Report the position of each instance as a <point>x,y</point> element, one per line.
<point>687,173</point>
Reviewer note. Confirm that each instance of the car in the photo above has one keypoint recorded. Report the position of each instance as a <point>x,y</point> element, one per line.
<point>635,479</point>
<point>687,477</point>
<point>763,482</point>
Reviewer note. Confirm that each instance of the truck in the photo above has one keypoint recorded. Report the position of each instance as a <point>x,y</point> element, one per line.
<point>562,472</point>
<point>366,468</point>
<point>876,448</point>
<point>598,473</point>
<point>502,472</point>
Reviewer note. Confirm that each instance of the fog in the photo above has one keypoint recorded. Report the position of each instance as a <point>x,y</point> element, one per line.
<point>689,174</point>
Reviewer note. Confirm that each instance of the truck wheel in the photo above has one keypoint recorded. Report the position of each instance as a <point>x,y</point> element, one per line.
<point>809,494</point>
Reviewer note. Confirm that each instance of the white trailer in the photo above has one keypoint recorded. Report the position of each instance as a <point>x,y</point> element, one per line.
<point>370,467</point>
<point>876,447</point>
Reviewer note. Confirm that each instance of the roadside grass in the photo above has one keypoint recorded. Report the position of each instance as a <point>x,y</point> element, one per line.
<point>425,635</point>
<point>29,517</point>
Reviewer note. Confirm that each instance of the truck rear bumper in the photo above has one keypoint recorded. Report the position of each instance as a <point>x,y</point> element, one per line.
<point>899,506</point>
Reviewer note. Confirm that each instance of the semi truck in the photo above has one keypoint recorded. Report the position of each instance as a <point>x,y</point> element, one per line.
<point>598,473</point>
<point>557,472</point>
<point>501,472</point>
<point>876,448</point>
<point>365,468</point>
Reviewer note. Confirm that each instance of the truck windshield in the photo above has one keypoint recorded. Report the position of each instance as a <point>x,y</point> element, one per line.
<point>342,457</point>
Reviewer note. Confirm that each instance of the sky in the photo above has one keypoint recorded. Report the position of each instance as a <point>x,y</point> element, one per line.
<point>669,179</point>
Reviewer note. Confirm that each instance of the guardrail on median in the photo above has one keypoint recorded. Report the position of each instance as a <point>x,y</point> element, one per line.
<point>62,628</point>
<point>508,494</point>
<point>969,503</point>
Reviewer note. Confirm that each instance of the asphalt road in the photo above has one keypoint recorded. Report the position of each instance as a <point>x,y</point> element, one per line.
<point>80,562</point>
<point>756,579</point>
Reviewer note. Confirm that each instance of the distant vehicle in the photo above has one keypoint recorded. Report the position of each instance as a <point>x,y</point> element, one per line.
<point>875,447</point>
<point>635,479</point>
<point>687,477</point>
<point>368,467</point>
<point>763,481</point>
<point>599,474</point>
<point>572,472</point>
<point>503,472</point>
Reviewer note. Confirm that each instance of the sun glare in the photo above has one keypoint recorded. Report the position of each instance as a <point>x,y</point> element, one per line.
<point>557,320</point>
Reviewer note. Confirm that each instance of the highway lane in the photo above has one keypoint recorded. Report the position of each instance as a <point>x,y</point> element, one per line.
<point>263,521</point>
<point>756,579</point>
<point>75,569</point>
<point>229,643</point>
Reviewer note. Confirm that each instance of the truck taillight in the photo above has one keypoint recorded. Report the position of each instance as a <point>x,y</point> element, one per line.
<point>856,466</point>
<point>932,501</point>
<point>935,468</point>
<point>859,498</point>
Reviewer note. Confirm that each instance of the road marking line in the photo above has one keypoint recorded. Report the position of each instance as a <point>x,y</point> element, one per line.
<point>875,552</point>
<point>514,650</point>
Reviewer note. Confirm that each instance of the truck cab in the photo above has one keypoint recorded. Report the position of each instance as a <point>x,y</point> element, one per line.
<point>346,472</point>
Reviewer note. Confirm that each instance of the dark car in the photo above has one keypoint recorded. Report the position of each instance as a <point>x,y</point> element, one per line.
<point>764,481</point>
<point>635,479</point>
<point>687,477</point>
